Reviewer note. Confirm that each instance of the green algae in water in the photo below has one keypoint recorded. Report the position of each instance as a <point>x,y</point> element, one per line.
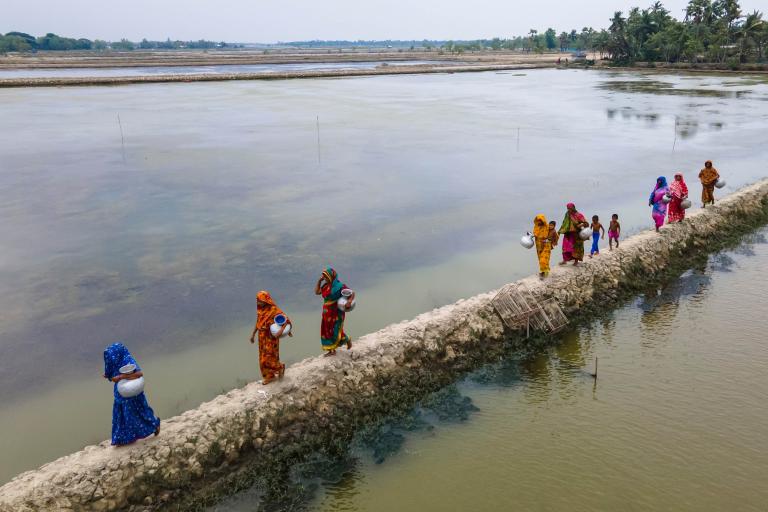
<point>666,88</point>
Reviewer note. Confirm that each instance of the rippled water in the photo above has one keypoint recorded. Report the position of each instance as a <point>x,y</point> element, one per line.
<point>202,70</point>
<point>675,421</point>
<point>417,192</point>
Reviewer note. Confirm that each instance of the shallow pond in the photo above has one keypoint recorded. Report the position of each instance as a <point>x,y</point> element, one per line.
<point>674,421</point>
<point>152,214</point>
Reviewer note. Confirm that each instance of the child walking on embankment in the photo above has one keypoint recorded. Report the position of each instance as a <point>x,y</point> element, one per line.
<point>597,228</point>
<point>614,232</point>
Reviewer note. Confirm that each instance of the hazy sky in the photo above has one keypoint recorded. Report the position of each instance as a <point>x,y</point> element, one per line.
<point>285,20</point>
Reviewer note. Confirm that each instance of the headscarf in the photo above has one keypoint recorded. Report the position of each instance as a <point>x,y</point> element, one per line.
<point>709,175</point>
<point>661,182</point>
<point>332,277</point>
<point>540,227</point>
<point>571,220</point>
<point>265,315</point>
<point>115,357</point>
<point>678,188</point>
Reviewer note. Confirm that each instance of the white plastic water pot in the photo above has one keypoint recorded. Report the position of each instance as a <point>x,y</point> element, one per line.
<point>130,388</point>
<point>278,324</point>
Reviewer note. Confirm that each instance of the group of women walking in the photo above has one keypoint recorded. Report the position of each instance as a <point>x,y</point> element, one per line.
<point>133,418</point>
<point>668,202</point>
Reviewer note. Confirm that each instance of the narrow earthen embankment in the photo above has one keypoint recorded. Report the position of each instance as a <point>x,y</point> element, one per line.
<point>326,73</point>
<point>224,444</point>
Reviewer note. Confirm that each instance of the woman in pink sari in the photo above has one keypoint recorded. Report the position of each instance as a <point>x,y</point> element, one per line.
<point>573,245</point>
<point>656,200</point>
<point>679,191</point>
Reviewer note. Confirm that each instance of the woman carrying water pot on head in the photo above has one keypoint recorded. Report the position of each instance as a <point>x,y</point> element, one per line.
<point>337,301</point>
<point>271,325</point>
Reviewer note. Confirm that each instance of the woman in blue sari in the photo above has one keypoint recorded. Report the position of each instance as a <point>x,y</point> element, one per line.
<point>132,418</point>
<point>332,326</point>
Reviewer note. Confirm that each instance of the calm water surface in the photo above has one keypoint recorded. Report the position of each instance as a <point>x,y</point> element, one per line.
<point>158,228</point>
<point>675,421</point>
<point>202,70</point>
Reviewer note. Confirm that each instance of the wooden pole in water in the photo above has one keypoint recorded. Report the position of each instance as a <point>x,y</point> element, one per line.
<point>122,138</point>
<point>595,368</point>
<point>674,143</point>
<point>518,139</point>
<point>318,140</point>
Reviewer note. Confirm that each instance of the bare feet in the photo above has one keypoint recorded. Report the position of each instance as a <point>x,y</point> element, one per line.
<point>157,431</point>
<point>330,353</point>
<point>349,343</point>
<point>563,263</point>
<point>281,374</point>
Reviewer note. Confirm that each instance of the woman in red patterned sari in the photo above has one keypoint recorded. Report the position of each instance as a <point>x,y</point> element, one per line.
<point>332,327</point>
<point>679,191</point>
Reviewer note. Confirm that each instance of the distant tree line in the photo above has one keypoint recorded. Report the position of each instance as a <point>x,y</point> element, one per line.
<point>715,31</point>
<point>21,42</point>
<point>712,31</point>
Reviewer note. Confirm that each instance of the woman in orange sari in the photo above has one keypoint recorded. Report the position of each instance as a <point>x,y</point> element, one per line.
<point>708,177</point>
<point>269,346</point>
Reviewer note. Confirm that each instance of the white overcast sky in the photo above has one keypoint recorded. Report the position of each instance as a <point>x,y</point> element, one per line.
<point>286,20</point>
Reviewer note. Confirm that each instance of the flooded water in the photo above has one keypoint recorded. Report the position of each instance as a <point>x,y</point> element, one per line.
<point>675,420</point>
<point>157,227</point>
<point>204,70</point>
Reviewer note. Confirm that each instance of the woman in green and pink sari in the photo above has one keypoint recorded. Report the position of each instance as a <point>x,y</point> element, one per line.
<point>332,327</point>
<point>573,245</point>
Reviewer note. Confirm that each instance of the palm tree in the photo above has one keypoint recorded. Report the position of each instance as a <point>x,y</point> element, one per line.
<point>751,32</point>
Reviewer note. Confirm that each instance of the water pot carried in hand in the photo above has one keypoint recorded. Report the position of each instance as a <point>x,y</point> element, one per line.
<point>129,388</point>
<point>278,324</point>
<point>527,241</point>
<point>344,303</point>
